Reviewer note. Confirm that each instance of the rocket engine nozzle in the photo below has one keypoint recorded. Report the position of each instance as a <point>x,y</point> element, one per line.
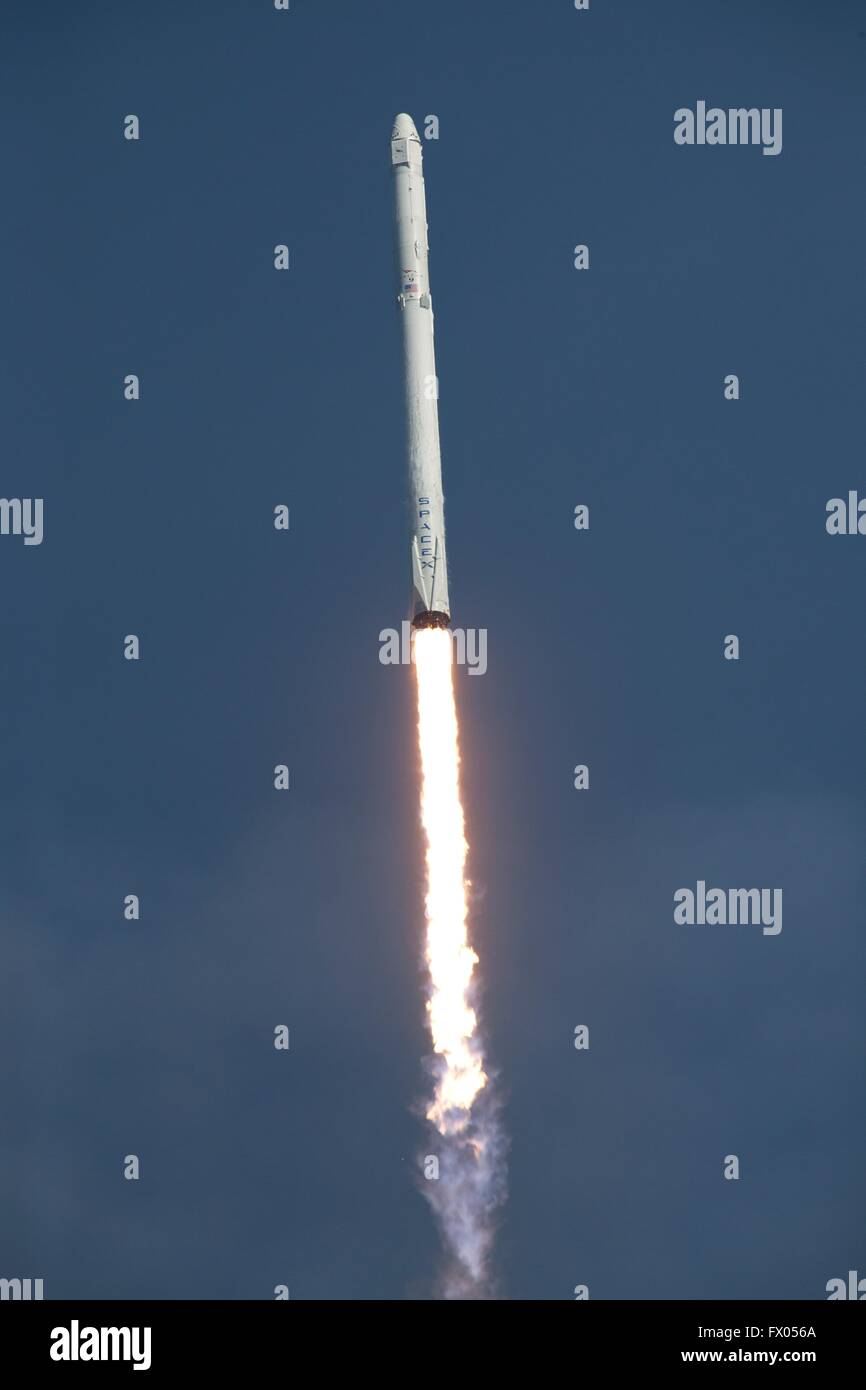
<point>431,617</point>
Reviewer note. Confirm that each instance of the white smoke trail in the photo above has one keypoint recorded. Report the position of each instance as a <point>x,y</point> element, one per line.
<point>463,1109</point>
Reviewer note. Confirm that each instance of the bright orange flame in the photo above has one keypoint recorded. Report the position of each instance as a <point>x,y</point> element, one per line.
<point>450,958</point>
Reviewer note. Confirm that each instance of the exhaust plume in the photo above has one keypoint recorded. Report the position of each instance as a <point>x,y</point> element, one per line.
<point>463,1110</point>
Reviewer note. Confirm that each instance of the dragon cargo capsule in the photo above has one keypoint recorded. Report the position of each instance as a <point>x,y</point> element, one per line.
<point>430,605</point>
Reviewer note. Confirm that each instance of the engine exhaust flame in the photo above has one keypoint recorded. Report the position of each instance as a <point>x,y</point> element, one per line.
<point>462,1109</point>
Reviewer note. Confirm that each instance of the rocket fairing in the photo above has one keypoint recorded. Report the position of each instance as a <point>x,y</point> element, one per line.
<point>430,606</point>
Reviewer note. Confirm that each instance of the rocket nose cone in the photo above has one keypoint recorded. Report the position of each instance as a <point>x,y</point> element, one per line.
<point>404,127</point>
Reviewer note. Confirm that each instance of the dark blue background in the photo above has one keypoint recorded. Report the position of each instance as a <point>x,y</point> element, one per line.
<point>707,518</point>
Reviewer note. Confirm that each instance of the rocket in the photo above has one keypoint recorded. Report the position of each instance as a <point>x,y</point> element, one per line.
<point>430,606</point>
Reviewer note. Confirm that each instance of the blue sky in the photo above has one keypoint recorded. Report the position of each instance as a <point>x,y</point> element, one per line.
<point>605,648</point>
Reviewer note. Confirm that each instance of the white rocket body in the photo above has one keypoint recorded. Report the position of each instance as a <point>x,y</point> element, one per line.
<point>430,605</point>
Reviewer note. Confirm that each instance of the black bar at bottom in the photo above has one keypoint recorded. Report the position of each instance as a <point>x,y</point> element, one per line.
<point>167,1338</point>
